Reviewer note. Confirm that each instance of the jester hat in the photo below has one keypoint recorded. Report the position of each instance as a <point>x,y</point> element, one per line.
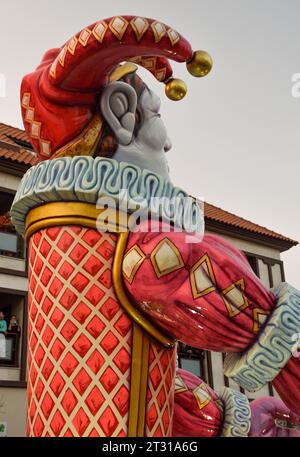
<point>60,99</point>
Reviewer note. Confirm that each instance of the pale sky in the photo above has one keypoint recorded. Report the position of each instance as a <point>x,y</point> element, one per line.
<point>236,135</point>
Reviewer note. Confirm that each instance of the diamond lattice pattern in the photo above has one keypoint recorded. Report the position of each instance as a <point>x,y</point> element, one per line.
<point>160,392</point>
<point>79,337</point>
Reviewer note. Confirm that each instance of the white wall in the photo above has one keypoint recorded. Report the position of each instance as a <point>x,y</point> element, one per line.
<point>252,247</point>
<point>13,410</point>
<point>8,181</point>
<point>17,283</point>
<point>12,263</point>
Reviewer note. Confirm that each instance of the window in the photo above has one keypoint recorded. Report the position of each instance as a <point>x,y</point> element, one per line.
<point>268,269</point>
<point>9,349</point>
<point>192,360</point>
<point>253,263</point>
<point>11,323</point>
<point>11,244</point>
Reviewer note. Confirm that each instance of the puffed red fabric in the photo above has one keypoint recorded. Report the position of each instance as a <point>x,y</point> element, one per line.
<point>210,320</point>
<point>265,412</point>
<point>205,321</point>
<point>196,414</point>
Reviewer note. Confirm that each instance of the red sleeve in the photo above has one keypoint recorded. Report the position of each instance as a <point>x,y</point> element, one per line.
<point>198,410</point>
<point>204,294</point>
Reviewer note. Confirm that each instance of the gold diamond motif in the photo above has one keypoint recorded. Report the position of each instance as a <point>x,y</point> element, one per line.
<point>45,147</point>
<point>149,63</point>
<point>35,126</point>
<point>202,396</point>
<point>159,30</point>
<point>26,99</point>
<point>160,75</point>
<point>202,277</point>
<point>140,26</point>
<point>118,26</point>
<point>259,318</point>
<point>84,37</point>
<point>52,70</point>
<point>180,385</point>
<point>166,258</point>
<point>174,36</point>
<point>62,55</point>
<point>29,116</point>
<point>35,129</point>
<point>99,30</point>
<point>136,59</point>
<point>234,298</point>
<point>131,262</point>
<point>72,45</point>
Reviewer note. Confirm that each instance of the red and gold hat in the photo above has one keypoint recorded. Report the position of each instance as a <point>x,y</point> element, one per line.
<point>59,99</point>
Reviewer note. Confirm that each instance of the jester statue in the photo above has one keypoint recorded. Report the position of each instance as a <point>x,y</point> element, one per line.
<point>119,268</point>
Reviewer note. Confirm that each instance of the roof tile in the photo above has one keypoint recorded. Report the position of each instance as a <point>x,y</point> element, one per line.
<point>14,132</point>
<point>12,150</point>
<point>21,156</point>
<point>216,214</point>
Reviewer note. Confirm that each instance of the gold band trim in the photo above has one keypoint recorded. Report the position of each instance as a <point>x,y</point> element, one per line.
<point>143,386</point>
<point>74,213</point>
<point>138,385</point>
<point>166,341</point>
<point>123,70</point>
<point>86,143</point>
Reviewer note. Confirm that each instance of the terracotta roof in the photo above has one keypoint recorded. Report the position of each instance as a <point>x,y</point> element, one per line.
<point>20,155</point>
<point>14,132</point>
<point>213,213</point>
<point>15,146</point>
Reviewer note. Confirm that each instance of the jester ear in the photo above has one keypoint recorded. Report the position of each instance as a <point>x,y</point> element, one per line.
<point>118,105</point>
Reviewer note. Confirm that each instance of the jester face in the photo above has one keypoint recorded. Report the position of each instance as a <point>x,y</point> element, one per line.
<point>131,111</point>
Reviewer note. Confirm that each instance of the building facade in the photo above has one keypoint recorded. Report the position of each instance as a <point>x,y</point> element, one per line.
<point>262,247</point>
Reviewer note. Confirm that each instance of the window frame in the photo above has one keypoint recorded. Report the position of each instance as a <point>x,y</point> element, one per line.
<point>270,262</point>
<point>200,357</point>
<point>23,343</point>
<point>21,248</point>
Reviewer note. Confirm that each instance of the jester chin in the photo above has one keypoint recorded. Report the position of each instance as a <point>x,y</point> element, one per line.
<point>108,302</point>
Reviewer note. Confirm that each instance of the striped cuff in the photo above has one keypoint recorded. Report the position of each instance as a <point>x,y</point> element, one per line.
<point>274,346</point>
<point>237,414</point>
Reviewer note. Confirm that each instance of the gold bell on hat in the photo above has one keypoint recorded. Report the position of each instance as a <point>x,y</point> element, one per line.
<point>200,64</point>
<point>175,89</point>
